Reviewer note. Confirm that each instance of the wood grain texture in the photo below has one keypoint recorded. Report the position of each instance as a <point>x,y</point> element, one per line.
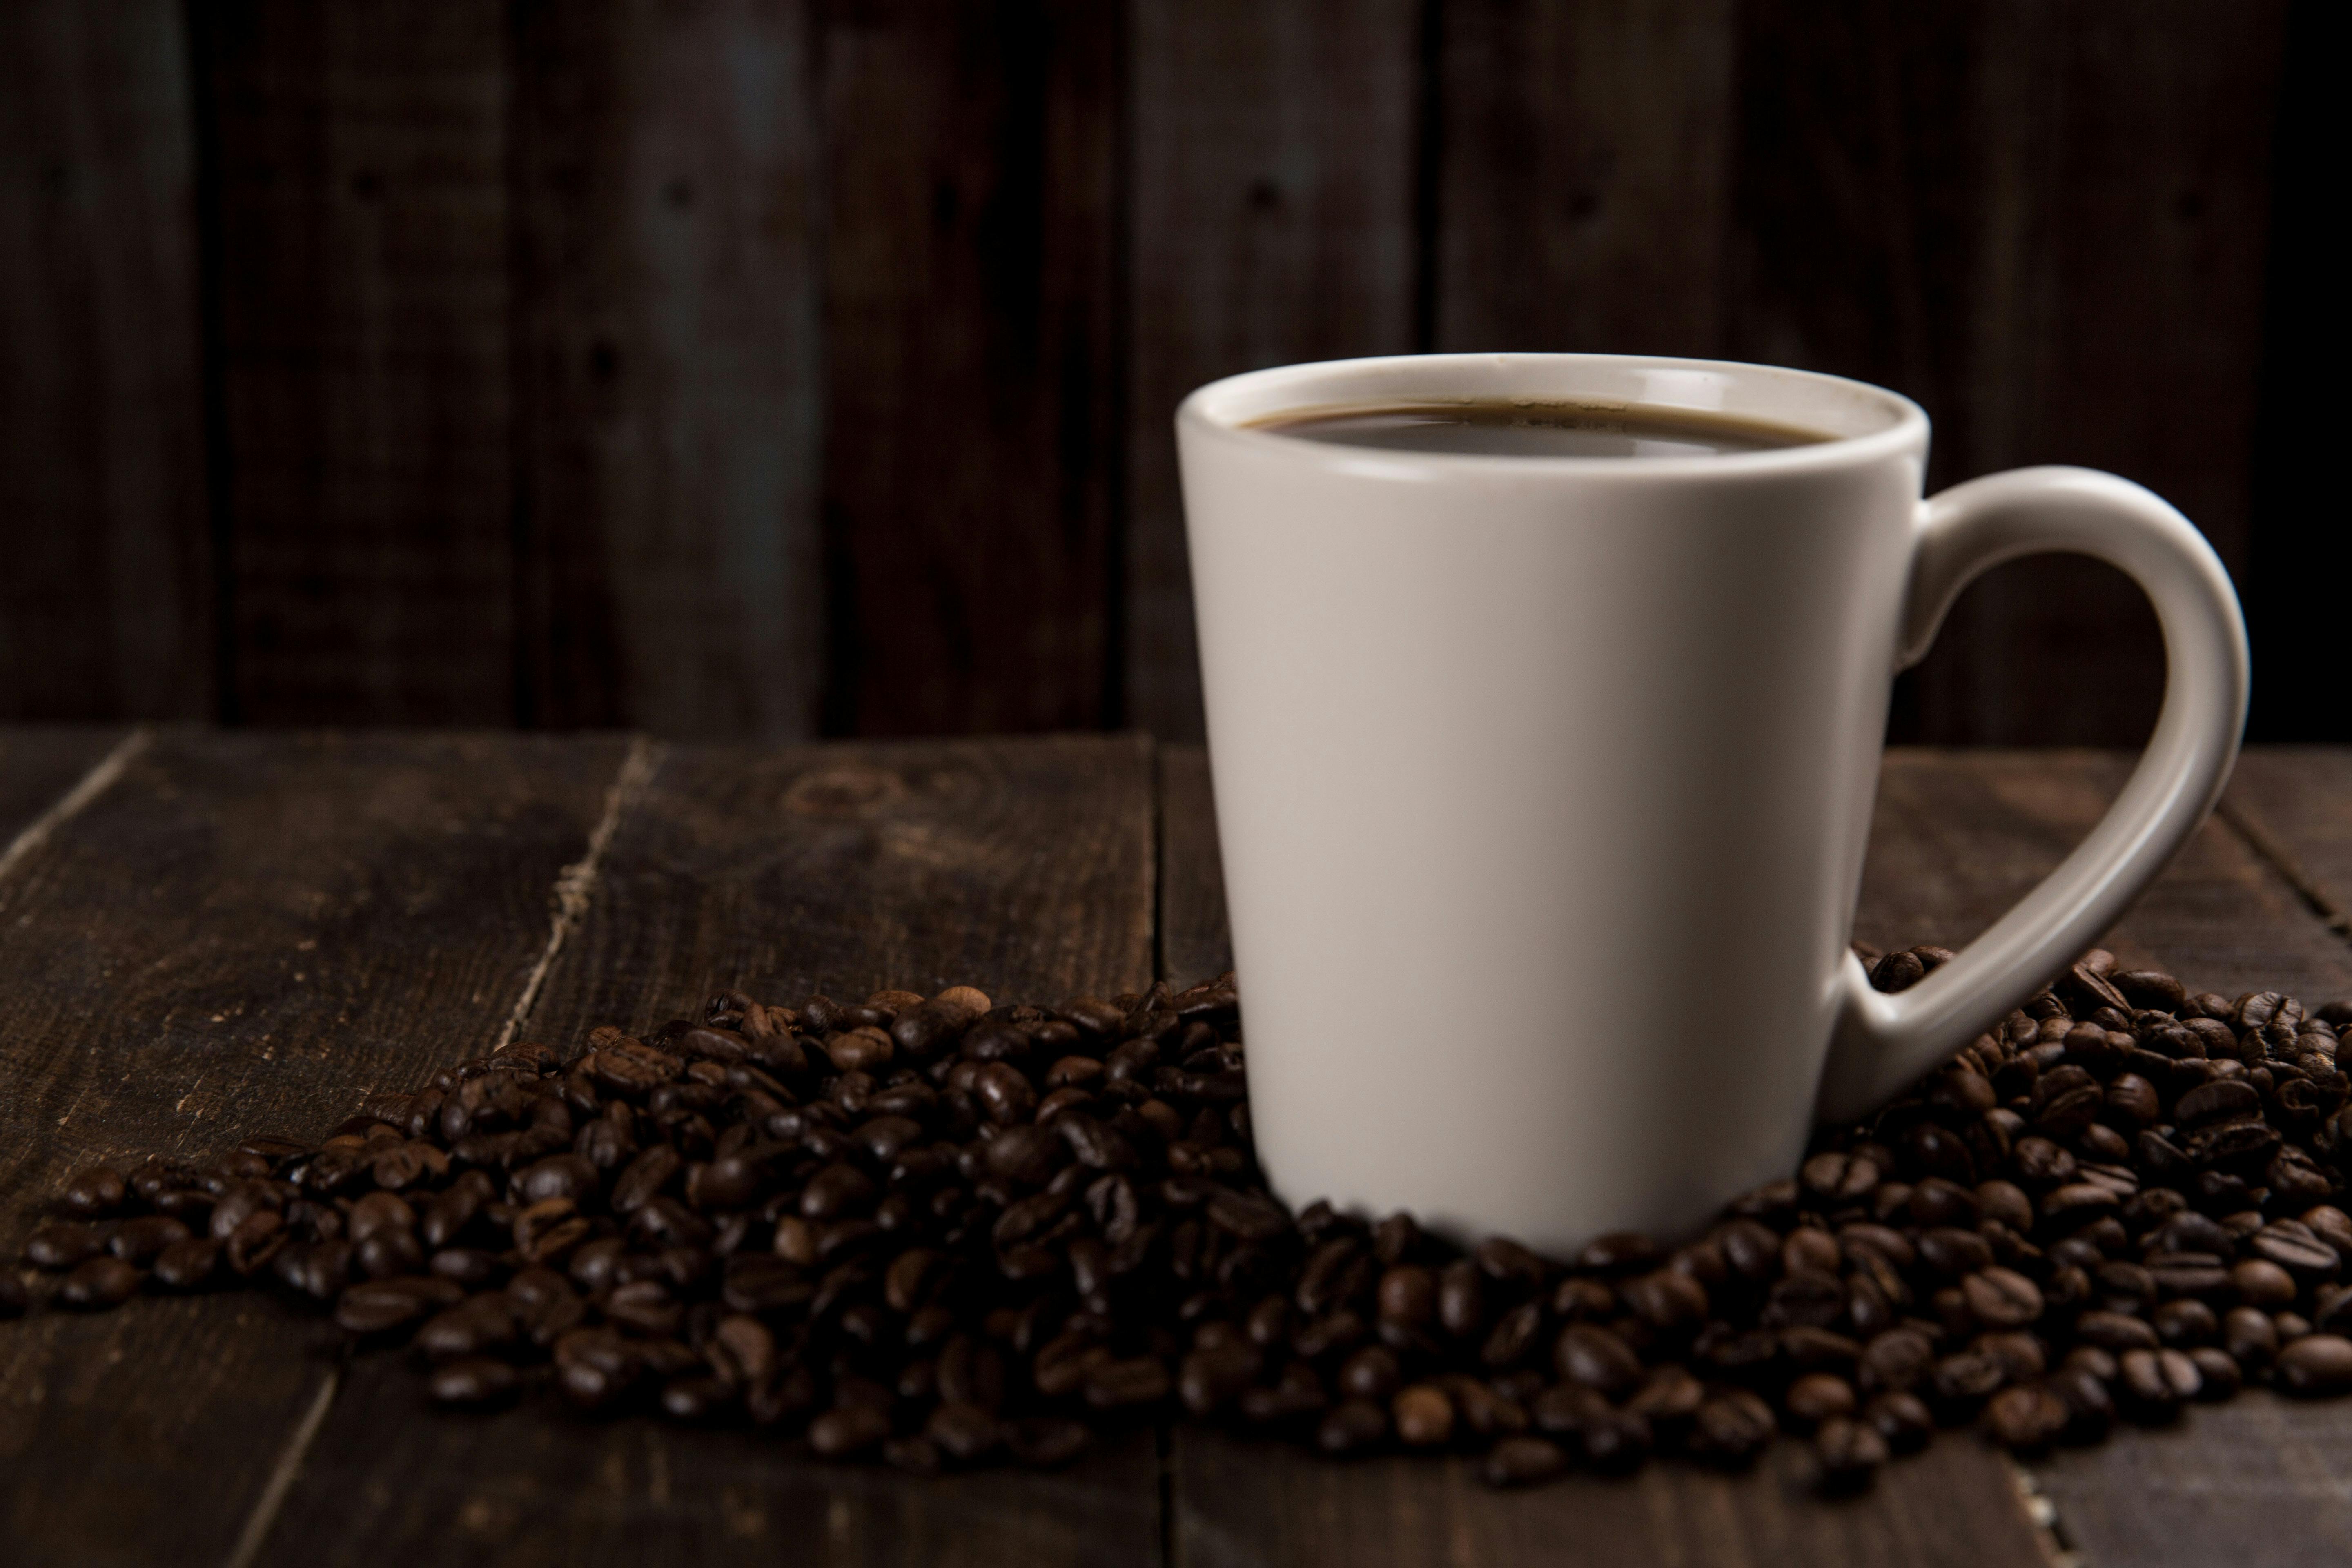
<point>1024,867</point>
<point>2042,222</point>
<point>1194,944</point>
<point>2295,803</point>
<point>1960,836</point>
<point>1270,217</point>
<point>1240,1503</point>
<point>242,933</point>
<point>106,598</point>
<point>1021,867</point>
<point>2256,1483</point>
<point>363,302</point>
<point>1584,199</point>
<point>2259,1481</point>
<point>39,763</point>
<point>971,429</point>
<point>669,372</point>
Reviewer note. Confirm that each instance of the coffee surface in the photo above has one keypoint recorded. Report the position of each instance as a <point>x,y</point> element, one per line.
<point>1527,429</point>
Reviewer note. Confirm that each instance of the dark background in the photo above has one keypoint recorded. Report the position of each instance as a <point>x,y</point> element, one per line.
<point>780,367</point>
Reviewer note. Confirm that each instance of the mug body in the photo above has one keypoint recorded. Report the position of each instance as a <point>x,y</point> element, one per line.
<point>1543,784</point>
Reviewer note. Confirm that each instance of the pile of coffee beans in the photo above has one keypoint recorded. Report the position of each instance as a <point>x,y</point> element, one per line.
<point>943,1233</point>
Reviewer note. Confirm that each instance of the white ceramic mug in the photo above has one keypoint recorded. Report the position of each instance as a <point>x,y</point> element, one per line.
<point>1544,783</point>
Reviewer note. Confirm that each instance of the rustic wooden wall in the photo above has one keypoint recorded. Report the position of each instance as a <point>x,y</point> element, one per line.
<point>769,366</point>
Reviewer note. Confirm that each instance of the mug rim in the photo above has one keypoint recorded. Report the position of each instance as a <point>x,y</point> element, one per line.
<point>1218,409</point>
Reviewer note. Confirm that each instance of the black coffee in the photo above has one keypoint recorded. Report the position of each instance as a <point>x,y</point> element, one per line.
<point>1517,429</point>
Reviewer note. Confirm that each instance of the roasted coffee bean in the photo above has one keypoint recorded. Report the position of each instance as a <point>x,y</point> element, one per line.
<point>2185,1322</point>
<point>1817,1396</point>
<point>94,1192</point>
<point>2151,1386</point>
<point>1523,1461</point>
<point>1462,1300</point>
<point>139,1242</point>
<point>2222,1376</point>
<point>2291,1245</point>
<point>1127,1384</point>
<point>1668,1298</point>
<point>2001,1297</point>
<point>96,1284</point>
<point>1422,1416</point>
<point>1902,1419</point>
<point>1352,1427</point>
<point>2027,1419</point>
<point>1731,1428</point>
<point>1596,1358</point>
<point>1372,1373</point>
<point>2114,1331</point>
<point>378,1307</point>
<point>2315,1364</point>
<point>1849,1453</point>
<point>189,1265</point>
<point>474,1382</point>
<point>62,1246</point>
<point>1967,1376</point>
<point>951,1216</point>
<point>2259,1282</point>
<point>1897,1361</point>
<point>2250,1337</point>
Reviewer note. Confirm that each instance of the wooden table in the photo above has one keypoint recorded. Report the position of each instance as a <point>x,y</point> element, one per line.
<point>207,934</point>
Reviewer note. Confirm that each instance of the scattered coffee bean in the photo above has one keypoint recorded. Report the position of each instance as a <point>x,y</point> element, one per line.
<point>60,1247</point>
<point>2028,1419</point>
<point>94,1192</point>
<point>2316,1364</point>
<point>96,1283</point>
<point>1523,1461</point>
<point>1849,1453</point>
<point>1423,1417</point>
<point>474,1382</point>
<point>945,1233</point>
<point>1732,1427</point>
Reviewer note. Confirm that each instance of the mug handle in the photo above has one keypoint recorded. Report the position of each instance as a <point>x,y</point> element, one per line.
<point>1885,1040</point>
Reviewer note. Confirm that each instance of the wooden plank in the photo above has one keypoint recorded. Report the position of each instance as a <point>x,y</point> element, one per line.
<point>2260,1480</point>
<point>1023,867</point>
<point>1270,220</point>
<point>2044,222</point>
<point>1241,1503</point>
<point>2256,1483</point>
<point>1584,196</point>
<point>362,296</point>
<point>2295,803</point>
<point>1960,836</point>
<point>242,932</point>
<point>1957,836</point>
<point>105,604</point>
<point>1194,944</point>
<point>971,425</point>
<point>39,763</point>
<point>668,373</point>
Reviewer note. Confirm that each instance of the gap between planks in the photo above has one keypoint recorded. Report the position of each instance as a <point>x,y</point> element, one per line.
<point>569,899</point>
<point>71,804</point>
<point>2267,848</point>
